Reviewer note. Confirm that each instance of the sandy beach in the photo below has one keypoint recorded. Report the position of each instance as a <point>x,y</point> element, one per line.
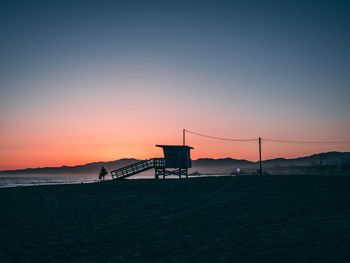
<point>222,219</point>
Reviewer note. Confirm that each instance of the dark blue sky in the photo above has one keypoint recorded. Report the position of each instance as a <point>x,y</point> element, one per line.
<point>287,62</point>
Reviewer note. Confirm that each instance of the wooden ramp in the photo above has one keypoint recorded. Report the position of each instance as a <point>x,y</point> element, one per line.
<point>138,167</point>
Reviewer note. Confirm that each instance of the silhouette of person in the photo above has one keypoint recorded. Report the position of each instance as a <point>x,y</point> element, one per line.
<point>102,174</point>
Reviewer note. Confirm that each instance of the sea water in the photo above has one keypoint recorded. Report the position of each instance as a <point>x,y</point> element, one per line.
<point>7,180</point>
<point>31,180</point>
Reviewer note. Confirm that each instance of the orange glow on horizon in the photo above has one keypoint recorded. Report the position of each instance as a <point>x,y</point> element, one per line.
<point>77,151</point>
<point>75,123</point>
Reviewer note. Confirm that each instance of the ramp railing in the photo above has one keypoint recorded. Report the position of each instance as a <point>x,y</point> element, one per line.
<point>137,167</point>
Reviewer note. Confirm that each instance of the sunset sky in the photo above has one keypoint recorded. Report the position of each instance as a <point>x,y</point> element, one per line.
<point>84,81</point>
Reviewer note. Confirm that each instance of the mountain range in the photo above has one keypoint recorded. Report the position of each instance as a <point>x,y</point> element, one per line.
<point>201,165</point>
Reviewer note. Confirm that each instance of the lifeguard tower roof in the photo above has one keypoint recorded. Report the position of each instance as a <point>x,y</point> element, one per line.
<point>177,156</point>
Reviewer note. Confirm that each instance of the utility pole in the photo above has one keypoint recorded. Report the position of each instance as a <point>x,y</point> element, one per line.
<point>183,137</point>
<point>260,163</point>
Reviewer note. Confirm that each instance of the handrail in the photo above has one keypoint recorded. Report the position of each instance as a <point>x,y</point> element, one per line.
<point>138,167</point>
<point>130,165</point>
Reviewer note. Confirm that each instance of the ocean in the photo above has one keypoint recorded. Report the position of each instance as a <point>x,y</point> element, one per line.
<point>30,180</point>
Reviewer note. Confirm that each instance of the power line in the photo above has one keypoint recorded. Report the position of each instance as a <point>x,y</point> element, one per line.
<point>259,140</point>
<point>220,138</point>
<point>267,139</point>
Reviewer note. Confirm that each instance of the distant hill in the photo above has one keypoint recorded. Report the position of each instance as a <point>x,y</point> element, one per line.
<point>222,165</point>
<point>220,162</point>
<point>227,165</point>
<point>202,165</point>
<point>329,158</point>
<point>78,169</point>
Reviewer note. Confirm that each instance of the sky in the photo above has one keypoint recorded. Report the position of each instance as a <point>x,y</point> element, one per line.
<point>85,81</point>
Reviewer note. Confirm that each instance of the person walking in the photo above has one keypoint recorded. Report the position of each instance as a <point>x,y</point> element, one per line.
<point>102,174</point>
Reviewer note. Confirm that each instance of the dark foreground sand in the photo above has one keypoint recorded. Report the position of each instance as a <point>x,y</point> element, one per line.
<point>227,219</point>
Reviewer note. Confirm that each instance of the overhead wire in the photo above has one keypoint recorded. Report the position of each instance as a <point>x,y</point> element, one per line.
<point>220,138</point>
<point>266,139</point>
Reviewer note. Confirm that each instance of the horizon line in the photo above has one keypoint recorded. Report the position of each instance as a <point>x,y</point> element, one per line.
<point>126,158</point>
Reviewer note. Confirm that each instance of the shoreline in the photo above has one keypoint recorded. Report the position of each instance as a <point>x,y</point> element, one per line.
<point>52,179</point>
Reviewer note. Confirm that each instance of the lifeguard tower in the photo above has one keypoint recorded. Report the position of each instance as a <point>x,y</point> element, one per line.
<point>176,161</point>
<point>177,158</point>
